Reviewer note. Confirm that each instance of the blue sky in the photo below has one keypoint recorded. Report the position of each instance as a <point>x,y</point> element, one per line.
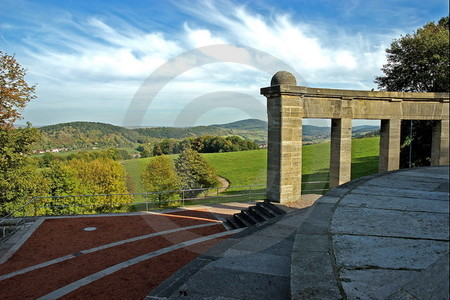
<point>165,63</point>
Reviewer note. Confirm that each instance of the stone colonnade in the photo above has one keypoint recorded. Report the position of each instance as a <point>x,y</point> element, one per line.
<point>288,104</point>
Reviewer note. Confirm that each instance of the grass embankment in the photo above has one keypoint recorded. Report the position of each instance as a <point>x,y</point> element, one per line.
<point>249,167</point>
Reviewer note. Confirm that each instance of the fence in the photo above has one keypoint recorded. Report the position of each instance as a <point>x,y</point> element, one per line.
<point>109,203</point>
<point>104,203</point>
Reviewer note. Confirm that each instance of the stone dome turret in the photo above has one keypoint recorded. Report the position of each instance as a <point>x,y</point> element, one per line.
<point>283,77</point>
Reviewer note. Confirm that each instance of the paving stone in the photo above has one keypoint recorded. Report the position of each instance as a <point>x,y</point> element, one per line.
<point>260,263</point>
<point>295,220</point>
<point>395,203</point>
<point>337,192</point>
<point>218,250</point>
<point>328,199</point>
<point>311,242</point>
<point>235,253</point>
<point>282,248</point>
<point>277,230</point>
<point>373,283</point>
<point>168,287</point>
<point>380,222</point>
<point>210,283</point>
<point>431,283</point>
<point>388,253</point>
<point>312,276</point>
<point>443,188</point>
<point>256,243</point>
<point>319,219</point>
<point>386,191</point>
<point>401,295</point>
<point>431,171</point>
<point>402,184</point>
<point>417,177</point>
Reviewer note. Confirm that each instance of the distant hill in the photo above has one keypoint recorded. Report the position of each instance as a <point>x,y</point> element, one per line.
<point>258,126</point>
<point>250,124</point>
<point>363,129</point>
<point>79,135</point>
<point>181,133</point>
<point>311,131</point>
<point>82,135</point>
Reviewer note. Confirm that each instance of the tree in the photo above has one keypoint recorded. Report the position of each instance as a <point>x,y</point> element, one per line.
<point>160,175</point>
<point>194,171</point>
<point>102,176</point>
<point>20,180</point>
<point>145,150</point>
<point>418,63</point>
<point>84,176</point>
<point>15,93</point>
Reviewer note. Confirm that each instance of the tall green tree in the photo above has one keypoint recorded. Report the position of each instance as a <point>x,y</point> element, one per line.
<point>80,176</point>
<point>15,93</point>
<point>418,62</point>
<point>18,186</point>
<point>160,175</point>
<point>194,171</point>
<point>19,180</point>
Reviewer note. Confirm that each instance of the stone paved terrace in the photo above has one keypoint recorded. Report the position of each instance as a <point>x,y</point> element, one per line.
<point>384,236</point>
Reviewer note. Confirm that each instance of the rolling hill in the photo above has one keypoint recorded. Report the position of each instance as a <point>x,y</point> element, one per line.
<point>250,124</point>
<point>79,135</point>
<point>84,135</point>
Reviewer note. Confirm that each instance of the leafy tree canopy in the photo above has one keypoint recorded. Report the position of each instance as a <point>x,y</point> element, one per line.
<point>418,62</point>
<point>160,175</point>
<point>194,171</point>
<point>15,93</point>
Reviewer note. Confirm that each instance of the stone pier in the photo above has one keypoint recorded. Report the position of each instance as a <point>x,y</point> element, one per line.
<point>288,104</point>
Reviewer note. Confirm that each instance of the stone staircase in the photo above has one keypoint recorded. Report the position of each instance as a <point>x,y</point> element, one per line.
<point>258,213</point>
<point>8,226</point>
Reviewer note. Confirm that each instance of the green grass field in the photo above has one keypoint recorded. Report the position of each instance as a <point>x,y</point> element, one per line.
<point>249,167</point>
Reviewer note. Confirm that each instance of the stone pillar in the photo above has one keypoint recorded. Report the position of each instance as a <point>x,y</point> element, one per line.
<point>341,151</point>
<point>389,145</point>
<point>284,158</point>
<point>440,144</point>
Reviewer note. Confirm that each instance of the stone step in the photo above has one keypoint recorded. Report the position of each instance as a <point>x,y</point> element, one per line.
<point>234,223</point>
<point>11,222</point>
<point>259,213</point>
<point>241,217</point>
<point>266,210</point>
<point>263,211</point>
<point>250,216</point>
<point>275,208</point>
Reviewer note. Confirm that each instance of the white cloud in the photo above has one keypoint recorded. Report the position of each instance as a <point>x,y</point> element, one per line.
<point>306,48</point>
<point>100,61</point>
<point>200,37</point>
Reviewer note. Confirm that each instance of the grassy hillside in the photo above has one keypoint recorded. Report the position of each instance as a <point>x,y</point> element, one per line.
<point>182,133</point>
<point>240,168</point>
<point>88,135</point>
<point>249,167</point>
<point>82,135</point>
<point>250,124</point>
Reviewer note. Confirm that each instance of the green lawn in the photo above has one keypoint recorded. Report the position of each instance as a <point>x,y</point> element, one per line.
<point>134,168</point>
<point>240,168</point>
<point>249,167</point>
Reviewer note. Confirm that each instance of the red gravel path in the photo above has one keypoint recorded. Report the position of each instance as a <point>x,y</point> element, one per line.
<point>60,237</point>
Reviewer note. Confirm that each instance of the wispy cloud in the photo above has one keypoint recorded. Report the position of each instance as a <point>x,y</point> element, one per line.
<point>95,63</point>
<point>351,60</point>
